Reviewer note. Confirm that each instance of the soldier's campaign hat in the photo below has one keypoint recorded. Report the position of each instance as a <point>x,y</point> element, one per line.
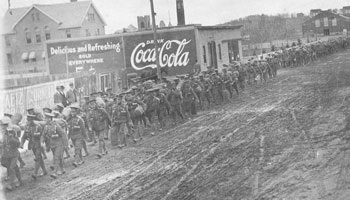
<point>92,100</point>
<point>30,109</point>
<point>5,121</point>
<point>55,112</point>
<point>8,115</point>
<point>75,107</point>
<point>225,65</point>
<point>31,117</point>
<point>109,89</point>
<point>86,97</point>
<point>60,105</point>
<point>47,110</point>
<point>93,93</point>
<point>49,115</point>
<point>134,88</point>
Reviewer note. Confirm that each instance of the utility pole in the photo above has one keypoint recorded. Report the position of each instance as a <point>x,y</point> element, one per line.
<point>155,38</point>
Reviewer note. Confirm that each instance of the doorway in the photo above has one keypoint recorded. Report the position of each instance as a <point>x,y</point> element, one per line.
<point>326,32</point>
<point>212,54</point>
<point>104,78</point>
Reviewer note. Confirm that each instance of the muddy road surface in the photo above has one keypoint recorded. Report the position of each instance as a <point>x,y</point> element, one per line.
<point>281,140</point>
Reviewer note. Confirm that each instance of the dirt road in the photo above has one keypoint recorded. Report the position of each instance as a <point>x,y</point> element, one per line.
<point>281,140</point>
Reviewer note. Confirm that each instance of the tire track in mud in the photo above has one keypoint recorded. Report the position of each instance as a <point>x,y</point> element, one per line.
<point>211,150</point>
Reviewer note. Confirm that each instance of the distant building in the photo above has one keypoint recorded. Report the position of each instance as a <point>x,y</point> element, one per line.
<point>26,29</point>
<point>162,24</point>
<point>315,12</point>
<point>144,22</point>
<point>346,11</point>
<point>326,23</point>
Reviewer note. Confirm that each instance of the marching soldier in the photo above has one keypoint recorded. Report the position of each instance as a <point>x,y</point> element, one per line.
<point>76,131</point>
<point>175,99</point>
<point>207,88</point>
<point>120,119</point>
<point>189,96</point>
<point>227,81</point>
<point>96,120</point>
<point>56,141</point>
<point>163,107</point>
<point>10,153</point>
<point>33,133</point>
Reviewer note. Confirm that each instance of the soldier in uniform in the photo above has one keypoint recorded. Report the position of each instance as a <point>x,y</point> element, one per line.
<point>189,96</point>
<point>96,120</point>
<point>10,153</point>
<point>120,119</point>
<point>33,133</point>
<point>163,107</point>
<point>227,82</point>
<point>76,131</point>
<point>175,99</point>
<point>56,141</point>
<point>207,88</point>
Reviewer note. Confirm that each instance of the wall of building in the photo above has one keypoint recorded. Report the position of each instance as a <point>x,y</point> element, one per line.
<point>220,36</point>
<point>93,25</point>
<point>19,43</point>
<point>309,26</point>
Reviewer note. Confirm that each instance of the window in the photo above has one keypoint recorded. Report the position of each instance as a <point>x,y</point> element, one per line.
<point>28,36</point>
<point>7,41</point>
<point>37,35</point>
<point>98,31</point>
<point>317,23</point>
<point>9,58</point>
<point>325,21</point>
<point>87,32</point>
<point>91,17</point>
<point>69,35</point>
<point>334,22</point>
<point>37,16</point>
<point>47,33</point>
<point>142,25</point>
<point>219,47</point>
<point>33,17</point>
<point>204,55</point>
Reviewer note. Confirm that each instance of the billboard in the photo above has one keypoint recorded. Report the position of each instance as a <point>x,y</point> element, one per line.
<point>93,54</point>
<point>176,51</point>
<point>35,96</point>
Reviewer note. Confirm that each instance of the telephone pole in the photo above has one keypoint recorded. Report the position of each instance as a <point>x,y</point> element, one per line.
<point>159,74</point>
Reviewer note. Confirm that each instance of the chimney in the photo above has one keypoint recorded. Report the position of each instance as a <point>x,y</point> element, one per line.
<point>73,1</point>
<point>180,12</point>
<point>144,22</point>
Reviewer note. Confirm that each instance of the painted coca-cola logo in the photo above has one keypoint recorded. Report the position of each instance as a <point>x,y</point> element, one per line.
<point>171,54</point>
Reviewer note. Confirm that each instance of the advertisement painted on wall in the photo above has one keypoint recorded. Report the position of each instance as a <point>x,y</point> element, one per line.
<point>176,51</point>
<point>36,96</point>
<point>98,54</point>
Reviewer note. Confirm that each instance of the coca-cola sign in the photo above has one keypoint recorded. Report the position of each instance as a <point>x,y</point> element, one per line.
<point>176,51</point>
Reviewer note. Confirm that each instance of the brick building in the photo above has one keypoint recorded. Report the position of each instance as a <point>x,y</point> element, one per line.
<point>326,23</point>
<point>26,29</point>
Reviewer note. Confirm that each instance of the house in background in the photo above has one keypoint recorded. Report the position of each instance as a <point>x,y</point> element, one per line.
<point>326,23</point>
<point>26,29</point>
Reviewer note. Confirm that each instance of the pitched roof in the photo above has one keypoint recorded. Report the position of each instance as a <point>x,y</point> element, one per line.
<point>76,12</point>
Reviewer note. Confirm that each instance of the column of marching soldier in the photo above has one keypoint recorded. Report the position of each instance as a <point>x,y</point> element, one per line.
<point>106,114</point>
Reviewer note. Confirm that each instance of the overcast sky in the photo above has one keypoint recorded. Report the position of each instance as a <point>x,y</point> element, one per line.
<point>120,13</point>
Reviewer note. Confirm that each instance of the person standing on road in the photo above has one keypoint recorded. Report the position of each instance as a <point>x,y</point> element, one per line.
<point>10,153</point>
<point>175,99</point>
<point>96,120</point>
<point>72,94</point>
<point>57,142</point>
<point>33,133</point>
<point>76,132</point>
